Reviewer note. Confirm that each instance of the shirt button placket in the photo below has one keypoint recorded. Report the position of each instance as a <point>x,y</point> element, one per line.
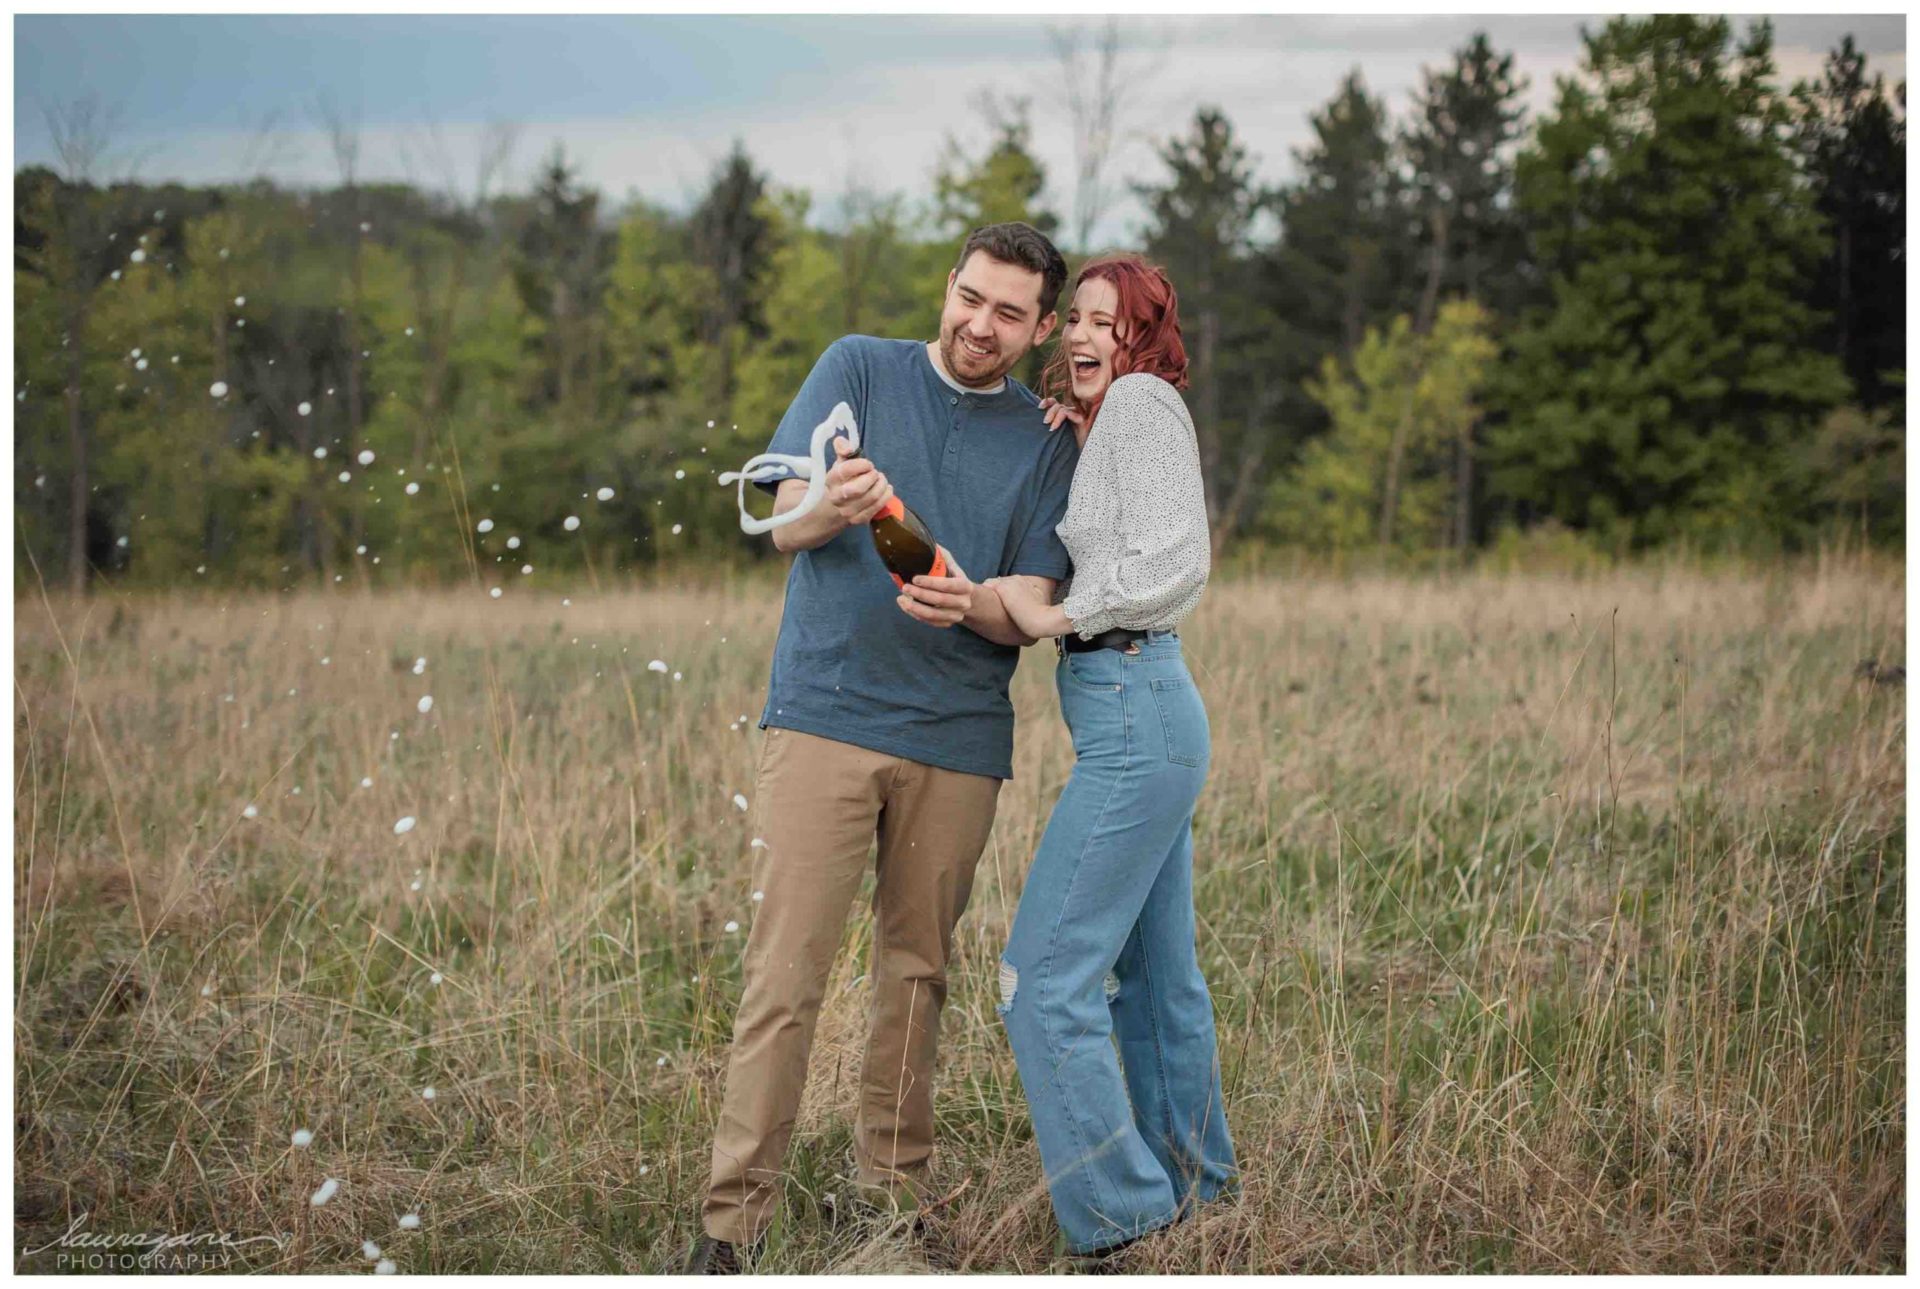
<point>950,459</point>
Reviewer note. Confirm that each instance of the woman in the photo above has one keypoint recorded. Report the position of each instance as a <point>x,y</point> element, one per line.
<point>1103,943</point>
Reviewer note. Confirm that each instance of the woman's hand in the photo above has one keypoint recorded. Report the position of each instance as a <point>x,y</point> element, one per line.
<point>1041,621</point>
<point>1057,413</point>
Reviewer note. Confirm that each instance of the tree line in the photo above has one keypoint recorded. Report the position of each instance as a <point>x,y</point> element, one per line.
<point>1669,310</point>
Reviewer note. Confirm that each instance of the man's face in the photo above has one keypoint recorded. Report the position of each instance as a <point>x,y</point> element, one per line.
<point>991,319</point>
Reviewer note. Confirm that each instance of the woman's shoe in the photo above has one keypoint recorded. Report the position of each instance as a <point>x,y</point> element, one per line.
<point>1113,1259</point>
<point>1110,1261</point>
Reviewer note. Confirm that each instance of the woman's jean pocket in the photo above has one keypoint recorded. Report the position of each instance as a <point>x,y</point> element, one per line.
<point>1097,669</point>
<point>1183,720</point>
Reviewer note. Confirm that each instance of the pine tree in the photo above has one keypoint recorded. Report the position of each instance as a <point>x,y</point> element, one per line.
<point>1459,153</point>
<point>559,268</point>
<point>732,237</point>
<point>1344,259</point>
<point>1658,395</point>
<point>1201,218</point>
<point>1854,148</point>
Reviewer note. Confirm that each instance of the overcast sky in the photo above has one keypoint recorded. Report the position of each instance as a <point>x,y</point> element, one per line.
<point>646,105</point>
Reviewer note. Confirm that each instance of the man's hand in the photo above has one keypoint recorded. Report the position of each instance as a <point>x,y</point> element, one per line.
<point>855,489</point>
<point>939,601</point>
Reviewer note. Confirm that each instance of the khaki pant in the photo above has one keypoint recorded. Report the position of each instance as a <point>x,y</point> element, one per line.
<point>818,804</point>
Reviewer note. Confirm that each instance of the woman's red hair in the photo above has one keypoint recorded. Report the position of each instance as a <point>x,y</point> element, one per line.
<point>1146,326</point>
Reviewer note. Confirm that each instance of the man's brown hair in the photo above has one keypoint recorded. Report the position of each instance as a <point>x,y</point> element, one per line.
<point>1023,245</point>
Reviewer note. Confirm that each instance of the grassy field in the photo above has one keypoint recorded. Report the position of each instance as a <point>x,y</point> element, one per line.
<point>1554,924</point>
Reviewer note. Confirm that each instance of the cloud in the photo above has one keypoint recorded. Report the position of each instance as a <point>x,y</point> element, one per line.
<point>882,117</point>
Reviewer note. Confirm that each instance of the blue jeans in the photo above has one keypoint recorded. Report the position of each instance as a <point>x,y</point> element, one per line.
<point>1103,947</point>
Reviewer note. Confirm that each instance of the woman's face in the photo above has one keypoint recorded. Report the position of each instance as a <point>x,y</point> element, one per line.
<point>1092,338</point>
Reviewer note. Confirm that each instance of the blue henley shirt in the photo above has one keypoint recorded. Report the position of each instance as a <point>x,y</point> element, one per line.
<point>991,482</point>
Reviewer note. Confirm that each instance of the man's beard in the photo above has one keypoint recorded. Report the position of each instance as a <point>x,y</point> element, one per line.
<point>954,354</point>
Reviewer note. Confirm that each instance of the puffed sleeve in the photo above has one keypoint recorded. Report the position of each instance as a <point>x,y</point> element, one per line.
<point>1163,554</point>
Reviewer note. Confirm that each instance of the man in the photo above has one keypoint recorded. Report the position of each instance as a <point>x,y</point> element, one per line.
<point>887,714</point>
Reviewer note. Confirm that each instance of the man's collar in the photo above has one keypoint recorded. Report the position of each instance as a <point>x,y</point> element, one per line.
<point>951,383</point>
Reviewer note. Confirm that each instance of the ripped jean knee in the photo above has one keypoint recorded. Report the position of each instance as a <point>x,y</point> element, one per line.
<point>1010,987</point>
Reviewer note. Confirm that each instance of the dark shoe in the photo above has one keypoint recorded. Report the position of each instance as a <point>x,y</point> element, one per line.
<point>1113,1260</point>
<point>936,1243</point>
<point>711,1257</point>
<point>1109,1261</point>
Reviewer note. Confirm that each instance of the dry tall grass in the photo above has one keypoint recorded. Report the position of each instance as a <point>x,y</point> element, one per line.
<point>1553,925</point>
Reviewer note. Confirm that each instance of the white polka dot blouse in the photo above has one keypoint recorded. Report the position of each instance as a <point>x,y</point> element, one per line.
<point>1136,521</point>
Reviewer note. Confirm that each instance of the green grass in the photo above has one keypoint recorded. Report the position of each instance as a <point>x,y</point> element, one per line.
<point>1553,924</point>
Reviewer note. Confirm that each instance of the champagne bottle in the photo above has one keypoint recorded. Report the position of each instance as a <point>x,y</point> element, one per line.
<point>906,546</point>
<point>905,542</point>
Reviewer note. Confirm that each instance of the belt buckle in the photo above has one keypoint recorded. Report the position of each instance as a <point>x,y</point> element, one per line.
<point>1059,646</point>
<point>1133,647</point>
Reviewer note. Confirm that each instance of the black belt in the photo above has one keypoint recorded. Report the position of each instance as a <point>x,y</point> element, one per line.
<point>1117,638</point>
